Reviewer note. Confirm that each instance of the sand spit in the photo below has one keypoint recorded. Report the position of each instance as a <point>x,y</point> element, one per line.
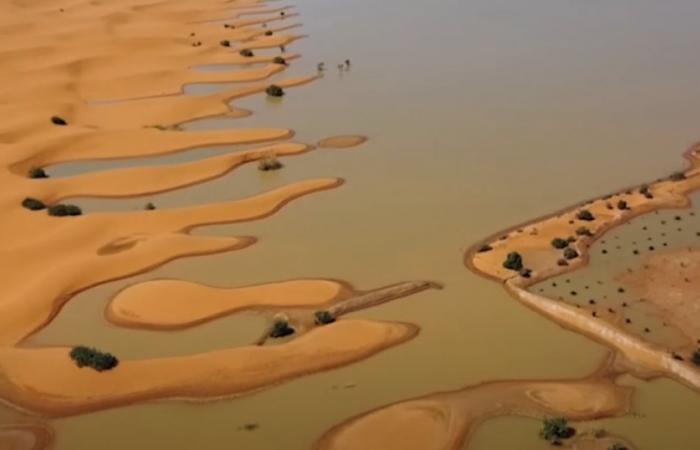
<point>70,390</point>
<point>444,421</point>
<point>25,436</point>
<point>581,226</point>
<point>342,141</point>
<point>178,304</point>
<point>670,282</point>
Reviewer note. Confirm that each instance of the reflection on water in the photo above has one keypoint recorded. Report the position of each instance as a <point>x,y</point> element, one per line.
<point>480,115</point>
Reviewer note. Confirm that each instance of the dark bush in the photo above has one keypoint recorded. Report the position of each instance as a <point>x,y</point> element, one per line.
<point>644,189</point>
<point>525,272</point>
<point>62,210</point>
<point>225,43</point>
<point>570,253</point>
<point>37,172</point>
<point>562,262</point>
<point>268,33</point>
<point>622,205</point>
<point>583,231</point>
<point>93,358</point>
<point>323,318</point>
<point>485,248</point>
<point>150,206</point>
<point>560,243</point>
<point>677,176</point>
<point>274,91</point>
<point>282,13</point>
<point>585,214</point>
<point>269,163</point>
<point>556,428</point>
<point>696,357</point>
<point>33,204</point>
<point>58,121</point>
<point>281,329</point>
<point>246,52</point>
<point>513,261</point>
<point>279,60</point>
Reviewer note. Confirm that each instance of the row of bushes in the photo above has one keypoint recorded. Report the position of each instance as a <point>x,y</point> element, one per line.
<point>93,358</point>
<point>58,210</point>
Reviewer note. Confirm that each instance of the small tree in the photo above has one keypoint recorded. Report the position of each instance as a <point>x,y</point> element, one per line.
<point>274,91</point>
<point>585,214</point>
<point>556,428</point>
<point>93,358</point>
<point>37,172</point>
<point>33,204</point>
<point>281,329</point>
<point>560,243</point>
<point>513,261</point>
<point>570,253</point>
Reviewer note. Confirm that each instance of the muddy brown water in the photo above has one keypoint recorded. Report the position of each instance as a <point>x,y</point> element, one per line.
<point>481,115</point>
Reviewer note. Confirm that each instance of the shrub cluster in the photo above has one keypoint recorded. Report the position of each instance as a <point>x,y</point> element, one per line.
<point>513,261</point>
<point>560,243</point>
<point>323,317</point>
<point>274,91</point>
<point>62,210</point>
<point>677,176</point>
<point>281,329</point>
<point>584,231</point>
<point>93,358</point>
<point>269,163</point>
<point>37,172</point>
<point>570,253</point>
<point>33,204</point>
<point>585,214</point>
<point>555,429</point>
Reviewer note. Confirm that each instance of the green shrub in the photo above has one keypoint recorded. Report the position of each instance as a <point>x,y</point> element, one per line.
<point>696,357</point>
<point>62,210</point>
<point>33,204</point>
<point>274,91</point>
<point>279,60</point>
<point>323,317</point>
<point>246,52</point>
<point>513,261</point>
<point>281,329</point>
<point>677,176</point>
<point>269,163</point>
<point>58,121</point>
<point>560,243</point>
<point>583,231</point>
<point>37,172</point>
<point>93,358</point>
<point>585,214</point>
<point>556,428</point>
<point>570,253</point>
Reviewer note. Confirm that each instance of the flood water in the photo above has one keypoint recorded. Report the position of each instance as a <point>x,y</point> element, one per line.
<point>481,114</point>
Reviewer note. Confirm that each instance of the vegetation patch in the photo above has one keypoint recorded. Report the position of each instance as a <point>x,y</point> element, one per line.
<point>225,43</point>
<point>513,261</point>
<point>560,243</point>
<point>62,210</point>
<point>622,205</point>
<point>281,329</point>
<point>33,204</point>
<point>555,429</point>
<point>150,206</point>
<point>274,91</point>
<point>677,176</point>
<point>323,317</point>
<point>58,121</point>
<point>269,163</point>
<point>93,358</point>
<point>570,253</point>
<point>37,172</point>
<point>585,215</point>
<point>279,60</point>
<point>584,231</point>
<point>246,53</point>
<point>485,248</point>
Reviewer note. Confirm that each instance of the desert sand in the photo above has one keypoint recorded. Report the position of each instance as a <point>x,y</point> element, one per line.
<point>114,74</point>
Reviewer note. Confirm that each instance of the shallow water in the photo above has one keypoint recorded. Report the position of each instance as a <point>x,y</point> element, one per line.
<point>480,114</point>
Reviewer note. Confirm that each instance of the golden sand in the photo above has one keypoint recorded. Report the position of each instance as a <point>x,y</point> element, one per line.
<point>115,72</point>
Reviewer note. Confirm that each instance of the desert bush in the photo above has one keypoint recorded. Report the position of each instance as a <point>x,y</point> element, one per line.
<point>570,253</point>
<point>33,204</point>
<point>269,163</point>
<point>279,60</point>
<point>525,272</point>
<point>513,261</point>
<point>62,210</point>
<point>225,43</point>
<point>58,120</point>
<point>37,172</point>
<point>583,231</point>
<point>323,317</point>
<point>246,52</point>
<point>281,329</point>
<point>268,33</point>
<point>677,176</point>
<point>274,91</point>
<point>585,214</point>
<point>559,243</point>
<point>696,357</point>
<point>556,428</point>
<point>150,206</point>
<point>485,248</point>
<point>622,205</point>
<point>93,358</point>
<point>562,262</point>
